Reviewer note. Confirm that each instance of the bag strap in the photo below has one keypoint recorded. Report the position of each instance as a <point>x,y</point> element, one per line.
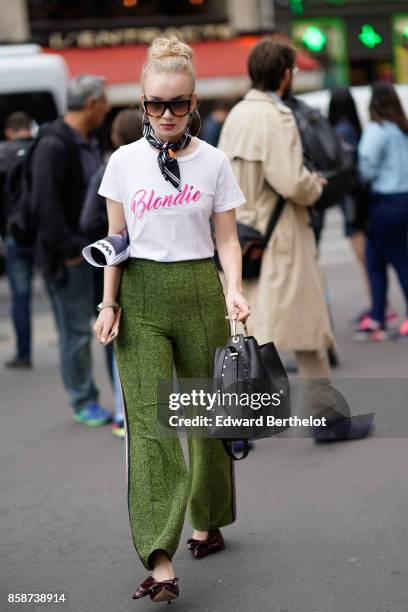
<point>230,452</point>
<point>277,211</point>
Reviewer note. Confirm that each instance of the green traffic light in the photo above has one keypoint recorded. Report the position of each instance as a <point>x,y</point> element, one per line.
<point>296,7</point>
<point>369,37</point>
<point>314,39</point>
<point>405,32</point>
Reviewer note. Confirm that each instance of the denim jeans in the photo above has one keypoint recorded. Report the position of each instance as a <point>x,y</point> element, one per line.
<point>19,269</point>
<point>387,245</point>
<point>73,310</point>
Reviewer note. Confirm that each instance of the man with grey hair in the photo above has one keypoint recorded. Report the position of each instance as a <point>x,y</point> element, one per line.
<point>81,88</point>
<point>64,160</point>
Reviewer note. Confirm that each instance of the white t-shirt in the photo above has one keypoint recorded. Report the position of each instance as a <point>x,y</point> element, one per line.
<point>165,224</point>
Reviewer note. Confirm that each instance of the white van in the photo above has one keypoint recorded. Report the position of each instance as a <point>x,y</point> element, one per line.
<point>31,81</point>
<point>362,95</point>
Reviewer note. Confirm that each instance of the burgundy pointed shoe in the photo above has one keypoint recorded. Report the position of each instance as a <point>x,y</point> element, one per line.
<point>166,590</point>
<point>202,548</point>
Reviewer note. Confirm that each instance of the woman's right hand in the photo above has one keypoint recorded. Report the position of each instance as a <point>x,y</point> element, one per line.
<point>103,324</point>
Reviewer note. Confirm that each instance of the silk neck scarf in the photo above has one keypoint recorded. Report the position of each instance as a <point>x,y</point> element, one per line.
<point>166,159</point>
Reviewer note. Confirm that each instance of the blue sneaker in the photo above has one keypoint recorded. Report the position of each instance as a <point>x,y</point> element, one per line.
<point>238,445</point>
<point>92,415</point>
<point>118,426</point>
<point>118,429</point>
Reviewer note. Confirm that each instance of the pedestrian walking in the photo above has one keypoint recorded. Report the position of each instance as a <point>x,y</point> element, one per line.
<point>19,258</point>
<point>126,128</point>
<point>344,118</point>
<point>63,163</point>
<point>383,161</point>
<point>261,140</point>
<point>164,188</point>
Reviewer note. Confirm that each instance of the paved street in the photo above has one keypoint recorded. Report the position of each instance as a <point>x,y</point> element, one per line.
<point>319,529</point>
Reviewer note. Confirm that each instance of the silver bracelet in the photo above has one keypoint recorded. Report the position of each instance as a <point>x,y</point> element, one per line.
<point>103,305</point>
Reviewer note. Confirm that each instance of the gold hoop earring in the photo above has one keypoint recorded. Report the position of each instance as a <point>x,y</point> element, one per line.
<point>195,122</point>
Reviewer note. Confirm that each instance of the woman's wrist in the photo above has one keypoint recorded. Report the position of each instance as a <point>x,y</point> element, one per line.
<point>107,304</point>
<point>108,298</point>
<point>235,289</point>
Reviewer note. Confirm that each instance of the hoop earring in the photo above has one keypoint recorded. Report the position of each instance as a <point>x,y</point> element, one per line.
<point>191,120</point>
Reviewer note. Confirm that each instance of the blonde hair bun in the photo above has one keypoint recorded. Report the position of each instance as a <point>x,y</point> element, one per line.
<point>162,48</point>
<point>171,55</point>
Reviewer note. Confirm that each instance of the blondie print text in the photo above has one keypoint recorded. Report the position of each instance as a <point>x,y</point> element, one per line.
<point>144,200</point>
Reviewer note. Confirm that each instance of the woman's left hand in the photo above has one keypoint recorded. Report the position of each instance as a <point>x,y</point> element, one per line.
<point>237,306</point>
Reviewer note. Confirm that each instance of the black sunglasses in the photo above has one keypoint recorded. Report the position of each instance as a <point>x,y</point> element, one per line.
<point>178,108</point>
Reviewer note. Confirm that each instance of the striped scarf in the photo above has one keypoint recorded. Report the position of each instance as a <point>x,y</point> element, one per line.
<point>166,159</point>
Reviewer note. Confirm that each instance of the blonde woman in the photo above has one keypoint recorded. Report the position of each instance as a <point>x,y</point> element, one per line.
<point>165,187</point>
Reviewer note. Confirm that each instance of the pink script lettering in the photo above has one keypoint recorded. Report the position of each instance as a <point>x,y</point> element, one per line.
<point>143,200</point>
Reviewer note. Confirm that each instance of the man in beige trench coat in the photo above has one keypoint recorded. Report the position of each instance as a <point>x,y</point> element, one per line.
<point>261,139</point>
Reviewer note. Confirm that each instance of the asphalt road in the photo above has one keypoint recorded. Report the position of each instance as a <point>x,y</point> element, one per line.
<point>319,528</point>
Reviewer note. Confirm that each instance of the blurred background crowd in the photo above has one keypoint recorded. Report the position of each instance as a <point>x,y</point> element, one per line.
<point>343,47</point>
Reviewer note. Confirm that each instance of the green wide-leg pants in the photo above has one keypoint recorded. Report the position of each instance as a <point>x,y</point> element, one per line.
<point>172,313</point>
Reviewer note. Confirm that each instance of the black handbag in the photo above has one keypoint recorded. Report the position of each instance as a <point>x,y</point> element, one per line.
<point>244,369</point>
<point>253,243</point>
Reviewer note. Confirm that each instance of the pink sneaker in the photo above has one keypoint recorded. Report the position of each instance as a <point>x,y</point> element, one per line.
<point>368,324</point>
<point>369,330</point>
<point>402,335</point>
<point>391,316</point>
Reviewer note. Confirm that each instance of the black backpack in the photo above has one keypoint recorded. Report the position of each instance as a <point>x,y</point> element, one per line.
<point>324,151</point>
<point>21,220</point>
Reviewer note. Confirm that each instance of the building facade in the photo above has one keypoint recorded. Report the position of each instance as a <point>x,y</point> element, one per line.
<point>109,37</point>
<point>89,23</point>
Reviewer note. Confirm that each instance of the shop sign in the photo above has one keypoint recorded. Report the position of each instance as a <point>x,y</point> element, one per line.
<point>325,39</point>
<point>90,39</point>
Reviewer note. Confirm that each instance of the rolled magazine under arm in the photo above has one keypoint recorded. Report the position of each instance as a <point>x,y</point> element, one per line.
<point>109,251</point>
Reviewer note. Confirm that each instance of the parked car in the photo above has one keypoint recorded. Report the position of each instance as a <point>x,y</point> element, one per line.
<point>34,82</point>
<point>31,81</point>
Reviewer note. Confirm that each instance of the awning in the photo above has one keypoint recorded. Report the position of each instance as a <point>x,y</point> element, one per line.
<point>221,66</point>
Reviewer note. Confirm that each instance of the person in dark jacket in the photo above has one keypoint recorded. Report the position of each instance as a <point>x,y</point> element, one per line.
<point>19,258</point>
<point>212,124</point>
<point>63,163</point>
<point>127,127</point>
